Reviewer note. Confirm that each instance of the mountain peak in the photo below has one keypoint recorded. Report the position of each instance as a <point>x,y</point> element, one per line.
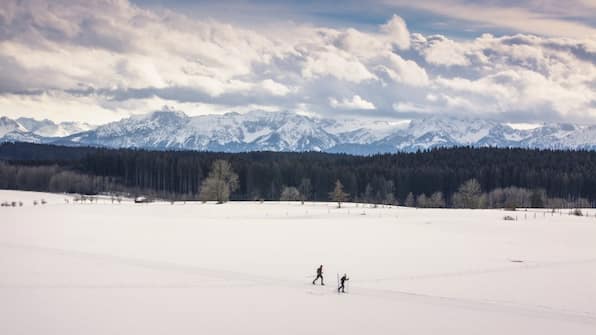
<point>164,114</point>
<point>168,129</point>
<point>9,125</point>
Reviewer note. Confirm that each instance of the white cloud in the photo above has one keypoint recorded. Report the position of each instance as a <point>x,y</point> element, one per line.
<point>443,51</point>
<point>398,32</point>
<point>274,87</point>
<point>405,71</point>
<point>408,107</point>
<point>103,59</point>
<point>362,45</point>
<point>336,63</point>
<point>355,103</point>
<point>548,18</point>
<point>137,48</point>
<point>59,107</point>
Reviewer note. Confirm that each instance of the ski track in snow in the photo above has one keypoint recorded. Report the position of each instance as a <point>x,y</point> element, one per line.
<point>239,279</point>
<point>527,265</point>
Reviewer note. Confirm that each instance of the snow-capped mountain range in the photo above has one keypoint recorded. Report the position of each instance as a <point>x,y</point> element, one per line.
<point>30,130</point>
<point>286,131</point>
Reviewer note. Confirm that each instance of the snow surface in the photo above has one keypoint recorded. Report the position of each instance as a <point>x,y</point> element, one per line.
<point>245,268</point>
<point>28,127</point>
<point>7,126</point>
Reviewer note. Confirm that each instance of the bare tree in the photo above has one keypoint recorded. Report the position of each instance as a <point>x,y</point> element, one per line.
<point>496,198</point>
<point>368,193</point>
<point>410,202</point>
<point>390,193</point>
<point>421,201</point>
<point>509,197</point>
<point>437,200</point>
<point>290,194</point>
<point>390,199</point>
<point>517,197</point>
<point>305,190</point>
<point>338,195</point>
<point>581,203</point>
<point>538,198</point>
<point>556,203</point>
<point>468,195</point>
<point>220,182</point>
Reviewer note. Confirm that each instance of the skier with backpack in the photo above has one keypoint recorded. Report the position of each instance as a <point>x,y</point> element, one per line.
<point>319,275</point>
<point>342,282</point>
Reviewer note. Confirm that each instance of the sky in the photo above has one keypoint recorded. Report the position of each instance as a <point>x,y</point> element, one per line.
<point>98,61</point>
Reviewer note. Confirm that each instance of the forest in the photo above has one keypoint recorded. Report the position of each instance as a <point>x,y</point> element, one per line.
<point>431,178</point>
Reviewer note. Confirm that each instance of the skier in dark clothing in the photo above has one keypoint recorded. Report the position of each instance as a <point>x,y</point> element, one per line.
<point>319,275</point>
<point>342,283</point>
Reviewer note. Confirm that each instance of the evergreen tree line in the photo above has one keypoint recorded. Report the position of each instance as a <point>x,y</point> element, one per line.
<point>433,178</point>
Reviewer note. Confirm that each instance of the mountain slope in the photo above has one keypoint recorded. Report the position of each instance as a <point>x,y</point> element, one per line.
<point>35,131</point>
<point>47,128</point>
<point>285,131</point>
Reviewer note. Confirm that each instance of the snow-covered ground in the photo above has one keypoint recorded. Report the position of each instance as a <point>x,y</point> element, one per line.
<point>246,268</point>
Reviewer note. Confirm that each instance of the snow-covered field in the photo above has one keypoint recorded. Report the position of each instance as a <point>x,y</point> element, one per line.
<point>246,268</point>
